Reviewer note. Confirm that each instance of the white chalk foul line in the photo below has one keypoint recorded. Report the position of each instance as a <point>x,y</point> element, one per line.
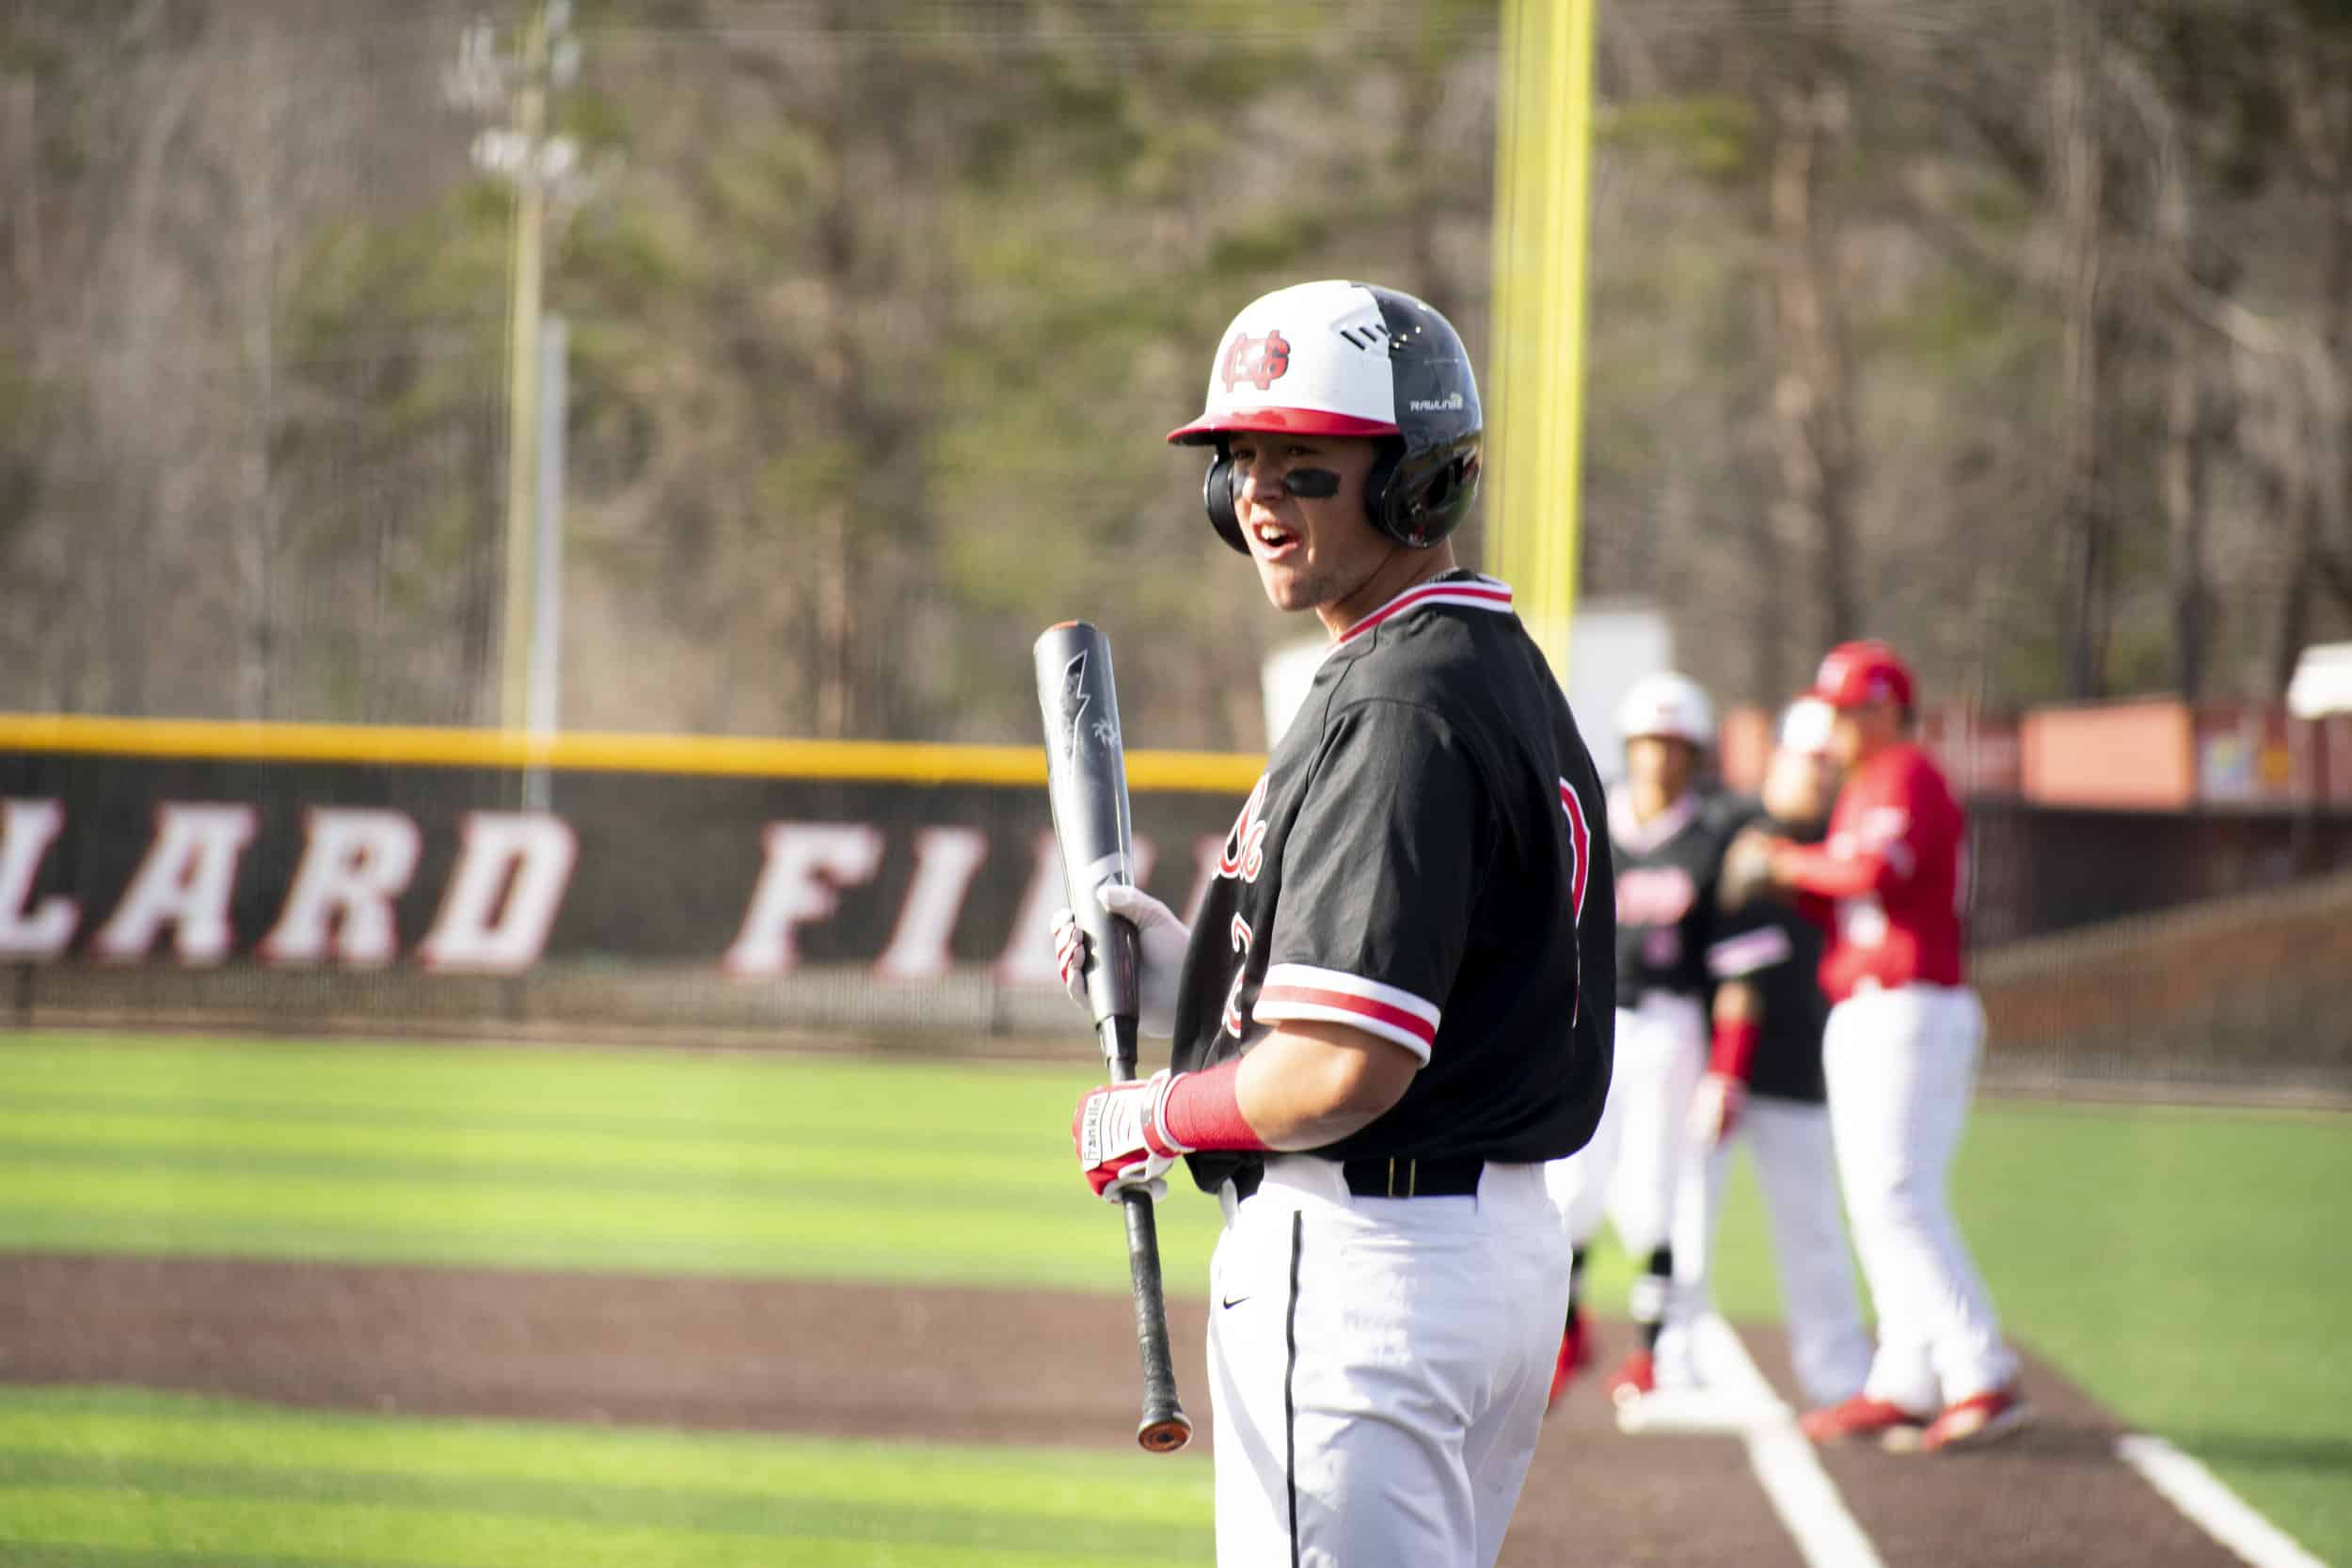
<point>1800,1489</point>
<point>2210,1506</point>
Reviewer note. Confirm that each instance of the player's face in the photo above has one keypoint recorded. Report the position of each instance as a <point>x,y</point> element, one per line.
<point>1312,548</point>
<point>1863,731</point>
<point>1662,763</point>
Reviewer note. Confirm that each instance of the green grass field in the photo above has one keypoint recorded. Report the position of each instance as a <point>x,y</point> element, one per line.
<point>2176,1263</point>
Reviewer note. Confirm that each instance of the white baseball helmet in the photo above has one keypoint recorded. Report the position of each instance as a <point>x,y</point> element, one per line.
<point>1667,704</point>
<point>1342,359</point>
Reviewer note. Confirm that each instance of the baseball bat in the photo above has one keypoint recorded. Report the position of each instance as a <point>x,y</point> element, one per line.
<point>1086,778</point>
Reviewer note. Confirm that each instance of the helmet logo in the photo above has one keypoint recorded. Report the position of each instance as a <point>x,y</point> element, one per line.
<point>1259,361</point>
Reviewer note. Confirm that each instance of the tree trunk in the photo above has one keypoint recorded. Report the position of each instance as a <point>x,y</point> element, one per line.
<point>2181,464</point>
<point>1812,407</point>
<point>2319,113</point>
<point>2078,177</point>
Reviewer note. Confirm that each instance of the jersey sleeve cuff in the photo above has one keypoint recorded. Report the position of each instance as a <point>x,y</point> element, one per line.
<point>1748,952</point>
<point>1293,991</point>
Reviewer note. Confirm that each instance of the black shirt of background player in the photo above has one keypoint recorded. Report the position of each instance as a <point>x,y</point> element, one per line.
<point>1667,872</point>
<point>1411,865</point>
<point>1768,944</point>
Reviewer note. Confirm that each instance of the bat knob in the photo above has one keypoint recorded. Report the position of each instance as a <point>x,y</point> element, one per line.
<point>1165,1434</point>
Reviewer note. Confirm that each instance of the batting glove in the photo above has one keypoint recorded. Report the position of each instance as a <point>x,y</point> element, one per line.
<point>1161,940</point>
<point>1123,1145</point>
<point>1715,1108</point>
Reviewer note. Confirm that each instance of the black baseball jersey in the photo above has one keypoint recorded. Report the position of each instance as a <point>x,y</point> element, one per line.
<point>1668,869</point>
<point>1421,861</point>
<point>1768,944</point>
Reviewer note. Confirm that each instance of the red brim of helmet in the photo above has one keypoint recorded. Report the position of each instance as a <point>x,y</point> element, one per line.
<point>1292,421</point>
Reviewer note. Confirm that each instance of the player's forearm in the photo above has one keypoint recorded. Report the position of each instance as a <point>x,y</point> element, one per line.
<point>1812,868</point>
<point>1309,1084</point>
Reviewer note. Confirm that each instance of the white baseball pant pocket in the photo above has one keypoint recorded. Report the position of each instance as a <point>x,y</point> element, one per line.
<point>1378,1367</point>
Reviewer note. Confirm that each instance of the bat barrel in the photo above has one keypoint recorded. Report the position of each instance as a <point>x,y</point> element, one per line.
<point>1086,781</point>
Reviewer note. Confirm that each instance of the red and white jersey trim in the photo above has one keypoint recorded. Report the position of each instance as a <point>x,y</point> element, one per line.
<point>1476,593</point>
<point>1331,996</point>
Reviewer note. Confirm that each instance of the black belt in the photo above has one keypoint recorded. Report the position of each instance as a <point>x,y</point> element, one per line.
<point>1375,1176</point>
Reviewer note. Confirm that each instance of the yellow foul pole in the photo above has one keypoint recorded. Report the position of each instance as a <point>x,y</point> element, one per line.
<point>1535,397</point>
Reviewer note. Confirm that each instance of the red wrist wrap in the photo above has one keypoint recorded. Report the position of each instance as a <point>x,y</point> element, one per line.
<point>1734,1054</point>
<point>1203,1110</point>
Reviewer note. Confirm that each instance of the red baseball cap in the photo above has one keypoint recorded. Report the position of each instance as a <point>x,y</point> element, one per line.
<point>1853,673</point>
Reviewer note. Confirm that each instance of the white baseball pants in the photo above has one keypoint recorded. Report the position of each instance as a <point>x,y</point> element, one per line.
<point>1796,1169</point>
<point>1629,1170</point>
<point>1901,1066</point>
<point>1378,1367</point>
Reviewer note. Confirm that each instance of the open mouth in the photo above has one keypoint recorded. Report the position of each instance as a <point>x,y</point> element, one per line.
<point>1273,539</point>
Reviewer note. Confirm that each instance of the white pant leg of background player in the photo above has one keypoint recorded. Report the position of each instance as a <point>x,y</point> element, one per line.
<point>1657,1068</point>
<point>1697,1213</point>
<point>1796,1169</point>
<point>1797,1173</point>
<point>1579,1183</point>
<point>1404,1313</point>
<point>1901,1066</point>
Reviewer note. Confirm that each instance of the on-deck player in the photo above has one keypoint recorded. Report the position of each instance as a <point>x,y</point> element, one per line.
<point>1394,1003</point>
<point>1667,837</point>
<point>1763,1087</point>
<point>1899,1058</point>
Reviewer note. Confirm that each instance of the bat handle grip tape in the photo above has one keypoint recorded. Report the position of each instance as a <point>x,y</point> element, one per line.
<point>1165,1428</point>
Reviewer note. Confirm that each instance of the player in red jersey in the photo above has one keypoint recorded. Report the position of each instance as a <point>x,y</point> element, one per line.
<point>1900,1056</point>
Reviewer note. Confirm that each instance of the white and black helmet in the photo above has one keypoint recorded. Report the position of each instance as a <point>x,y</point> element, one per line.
<point>1667,704</point>
<point>1341,358</point>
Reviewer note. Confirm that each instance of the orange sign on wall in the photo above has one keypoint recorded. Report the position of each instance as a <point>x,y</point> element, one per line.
<point>2134,755</point>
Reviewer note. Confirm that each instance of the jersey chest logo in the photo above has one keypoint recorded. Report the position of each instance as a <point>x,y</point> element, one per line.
<point>1244,854</point>
<point>1654,896</point>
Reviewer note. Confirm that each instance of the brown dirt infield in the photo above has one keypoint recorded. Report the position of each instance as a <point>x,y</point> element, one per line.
<point>994,1366</point>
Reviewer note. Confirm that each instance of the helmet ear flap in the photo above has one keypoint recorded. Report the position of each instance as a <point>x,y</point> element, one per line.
<point>1381,491</point>
<point>1217,495</point>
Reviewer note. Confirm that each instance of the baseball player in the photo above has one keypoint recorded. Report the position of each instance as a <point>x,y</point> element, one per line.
<point>1899,1060</point>
<point>1667,838</point>
<point>1394,1003</point>
<point>1763,1087</point>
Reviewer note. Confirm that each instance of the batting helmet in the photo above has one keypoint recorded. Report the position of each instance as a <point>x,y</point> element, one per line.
<point>1341,358</point>
<point>1667,704</point>
<point>1853,673</point>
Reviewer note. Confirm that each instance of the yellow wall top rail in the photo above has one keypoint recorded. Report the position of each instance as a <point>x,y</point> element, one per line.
<point>396,745</point>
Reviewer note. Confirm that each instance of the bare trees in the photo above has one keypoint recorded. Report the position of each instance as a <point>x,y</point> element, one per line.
<point>2021,331</point>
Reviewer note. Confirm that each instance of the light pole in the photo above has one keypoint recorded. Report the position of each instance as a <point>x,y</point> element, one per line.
<point>544,171</point>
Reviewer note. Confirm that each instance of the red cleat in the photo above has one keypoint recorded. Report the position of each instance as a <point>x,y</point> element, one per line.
<point>1862,1416</point>
<point>1574,1352</point>
<point>1978,1420</point>
<point>1637,1376</point>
